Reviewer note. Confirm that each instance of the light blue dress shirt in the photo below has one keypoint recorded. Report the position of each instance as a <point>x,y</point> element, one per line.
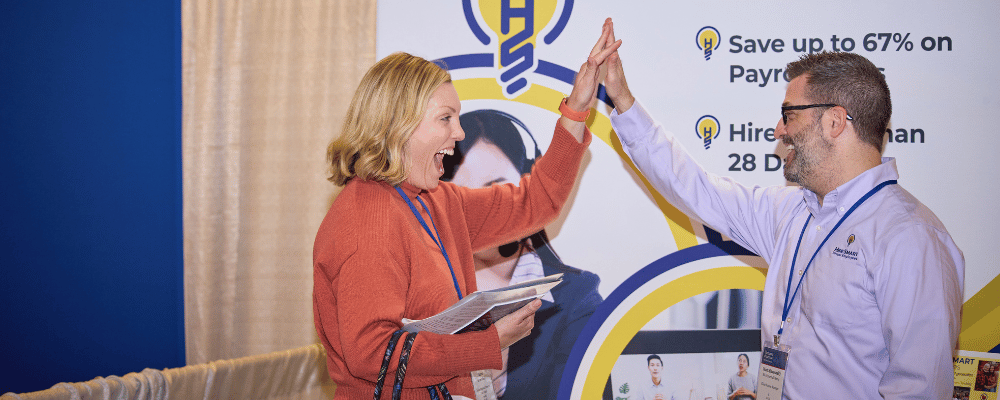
<point>649,390</point>
<point>877,315</point>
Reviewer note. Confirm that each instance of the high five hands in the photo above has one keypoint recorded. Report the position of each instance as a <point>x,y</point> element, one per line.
<point>603,64</point>
<point>615,83</point>
<point>584,95</point>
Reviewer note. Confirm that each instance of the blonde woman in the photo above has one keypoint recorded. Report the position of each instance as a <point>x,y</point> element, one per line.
<point>399,243</point>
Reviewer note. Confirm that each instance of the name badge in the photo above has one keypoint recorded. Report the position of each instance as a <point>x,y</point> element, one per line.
<point>771,375</point>
<point>482,382</point>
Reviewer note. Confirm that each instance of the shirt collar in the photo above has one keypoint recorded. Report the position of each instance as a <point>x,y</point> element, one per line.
<point>844,196</point>
<point>529,267</point>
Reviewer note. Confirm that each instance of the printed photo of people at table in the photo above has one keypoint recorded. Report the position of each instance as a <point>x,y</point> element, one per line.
<point>701,376</point>
<point>961,393</point>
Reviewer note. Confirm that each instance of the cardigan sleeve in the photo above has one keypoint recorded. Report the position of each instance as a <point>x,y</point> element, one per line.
<point>503,213</point>
<point>371,298</point>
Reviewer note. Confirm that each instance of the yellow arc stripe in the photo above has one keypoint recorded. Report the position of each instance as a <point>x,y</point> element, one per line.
<point>981,319</point>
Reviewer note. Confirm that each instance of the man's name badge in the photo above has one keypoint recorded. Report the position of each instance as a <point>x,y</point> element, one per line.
<point>771,376</point>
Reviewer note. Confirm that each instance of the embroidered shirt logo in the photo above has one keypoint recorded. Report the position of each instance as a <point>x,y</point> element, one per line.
<point>845,253</point>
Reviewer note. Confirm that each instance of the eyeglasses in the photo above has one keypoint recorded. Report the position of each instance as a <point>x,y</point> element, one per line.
<point>784,117</point>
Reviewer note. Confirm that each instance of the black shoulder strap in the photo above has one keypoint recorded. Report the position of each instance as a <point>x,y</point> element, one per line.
<point>389,349</point>
<point>404,357</point>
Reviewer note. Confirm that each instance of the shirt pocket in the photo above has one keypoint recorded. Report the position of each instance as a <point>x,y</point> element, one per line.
<point>837,293</point>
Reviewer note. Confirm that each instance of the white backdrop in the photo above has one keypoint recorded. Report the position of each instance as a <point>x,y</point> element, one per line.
<point>950,95</point>
<point>939,59</point>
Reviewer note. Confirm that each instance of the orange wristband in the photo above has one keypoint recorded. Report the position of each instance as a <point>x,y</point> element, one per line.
<point>578,116</point>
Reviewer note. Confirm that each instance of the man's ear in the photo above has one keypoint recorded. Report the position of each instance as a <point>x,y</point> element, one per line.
<point>835,120</point>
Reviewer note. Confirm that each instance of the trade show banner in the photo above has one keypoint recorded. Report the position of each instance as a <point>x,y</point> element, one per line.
<point>713,73</point>
<point>976,375</point>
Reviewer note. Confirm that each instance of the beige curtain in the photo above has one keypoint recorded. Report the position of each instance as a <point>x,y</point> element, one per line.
<point>265,86</point>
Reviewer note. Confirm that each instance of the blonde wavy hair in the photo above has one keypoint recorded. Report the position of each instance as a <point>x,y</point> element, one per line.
<point>387,107</point>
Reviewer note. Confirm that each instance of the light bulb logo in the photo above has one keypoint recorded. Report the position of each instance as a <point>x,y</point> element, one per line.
<point>516,26</point>
<point>707,128</point>
<point>708,39</point>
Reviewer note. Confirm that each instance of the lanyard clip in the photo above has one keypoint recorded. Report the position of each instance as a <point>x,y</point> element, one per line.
<point>777,338</point>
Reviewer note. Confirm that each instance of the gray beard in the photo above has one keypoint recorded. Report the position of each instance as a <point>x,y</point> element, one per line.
<point>808,157</point>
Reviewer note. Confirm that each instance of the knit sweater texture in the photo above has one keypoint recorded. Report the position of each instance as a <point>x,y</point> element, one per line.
<point>374,264</point>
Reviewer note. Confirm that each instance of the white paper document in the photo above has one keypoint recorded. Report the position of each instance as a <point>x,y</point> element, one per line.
<point>481,309</point>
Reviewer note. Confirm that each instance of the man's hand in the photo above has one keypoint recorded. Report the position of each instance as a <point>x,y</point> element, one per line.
<point>743,392</point>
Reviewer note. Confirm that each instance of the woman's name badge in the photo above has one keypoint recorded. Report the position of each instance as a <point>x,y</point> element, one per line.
<point>482,383</point>
<point>771,375</point>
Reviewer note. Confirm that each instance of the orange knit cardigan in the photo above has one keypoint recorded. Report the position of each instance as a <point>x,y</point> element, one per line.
<point>373,264</point>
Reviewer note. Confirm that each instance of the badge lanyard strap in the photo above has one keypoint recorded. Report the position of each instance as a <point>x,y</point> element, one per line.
<point>437,239</point>
<point>791,272</point>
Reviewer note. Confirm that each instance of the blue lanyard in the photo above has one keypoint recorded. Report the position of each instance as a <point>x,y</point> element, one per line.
<point>791,272</point>
<point>437,239</point>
